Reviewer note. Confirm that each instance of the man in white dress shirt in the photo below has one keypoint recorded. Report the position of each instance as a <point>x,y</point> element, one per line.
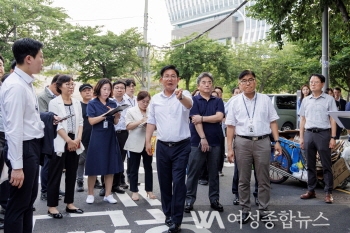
<point>23,130</point>
<point>169,111</point>
<point>251,118</point>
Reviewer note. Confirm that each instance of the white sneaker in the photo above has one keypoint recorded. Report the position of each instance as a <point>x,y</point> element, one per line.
<point>110,199</point>
<point>90,199</point>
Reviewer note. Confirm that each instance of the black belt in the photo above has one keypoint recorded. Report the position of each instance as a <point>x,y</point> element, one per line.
<point>317,130</point>
<point>172,144</point>
<point>254,138</point>
<point>121,131</point>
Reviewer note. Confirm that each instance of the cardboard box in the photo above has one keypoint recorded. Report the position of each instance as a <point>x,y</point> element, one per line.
<point>341,171</point>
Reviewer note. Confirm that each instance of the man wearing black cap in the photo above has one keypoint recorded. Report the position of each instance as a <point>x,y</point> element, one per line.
<point>86,93</point>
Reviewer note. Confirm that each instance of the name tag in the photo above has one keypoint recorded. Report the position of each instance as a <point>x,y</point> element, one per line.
<point>105,124</point>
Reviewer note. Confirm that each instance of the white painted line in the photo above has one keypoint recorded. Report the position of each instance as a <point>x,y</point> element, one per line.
<point>158,217</point>
<point>126,199</point>
<point>152,202</point>
<point>117,216</point>
<point>229,164</point>
<point>122,231</point>
<point>37,217</point>
<point>76,232</point>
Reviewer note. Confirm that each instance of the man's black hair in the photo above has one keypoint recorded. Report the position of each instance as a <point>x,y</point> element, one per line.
<point>54,79</point>
<point>246,72</point>
<point>24,47</point>
<point>319,76</point>
<point>128,82</point>
<point>169,67</point>
<point>13,64</point>
<point>120,82</point>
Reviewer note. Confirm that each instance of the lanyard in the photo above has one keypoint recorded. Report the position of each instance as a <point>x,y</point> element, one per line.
<point>251,119</point>
<point>132,103</point>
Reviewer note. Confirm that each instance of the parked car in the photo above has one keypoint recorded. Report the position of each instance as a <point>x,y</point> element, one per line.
<point>286,107</point>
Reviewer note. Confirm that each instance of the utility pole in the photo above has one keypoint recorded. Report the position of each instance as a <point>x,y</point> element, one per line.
<point>325,45</point>
<point>145,52</point>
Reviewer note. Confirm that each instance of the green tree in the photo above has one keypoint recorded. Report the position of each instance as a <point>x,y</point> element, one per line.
<point>31,18</point>
<point>276,70</point>
<point>97,55</point>
<point>301,22</point>
<point>200,55</point>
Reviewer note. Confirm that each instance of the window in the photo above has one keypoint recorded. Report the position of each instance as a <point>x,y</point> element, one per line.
<point>286,102</point>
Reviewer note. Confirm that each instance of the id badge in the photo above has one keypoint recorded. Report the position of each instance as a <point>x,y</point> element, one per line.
<point>105,124</point>
<point>251,129</point>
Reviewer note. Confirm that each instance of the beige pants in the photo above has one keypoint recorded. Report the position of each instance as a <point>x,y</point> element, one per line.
<point>248,152</point>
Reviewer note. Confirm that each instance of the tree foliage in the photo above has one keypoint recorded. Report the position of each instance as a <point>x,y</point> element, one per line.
<point>301,22</point>
<point>97,55</point>
<point>30,18</point>
<point>201,55</point>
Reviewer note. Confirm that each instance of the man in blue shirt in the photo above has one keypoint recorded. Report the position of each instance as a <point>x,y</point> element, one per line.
<point>206,114</point>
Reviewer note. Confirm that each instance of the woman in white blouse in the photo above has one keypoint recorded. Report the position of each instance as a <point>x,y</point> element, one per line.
<point>135,121</point>
<point>67,145</point>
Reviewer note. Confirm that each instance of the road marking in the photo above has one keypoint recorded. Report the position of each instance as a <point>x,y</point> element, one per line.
<point>183,226</point>
<point>152,202</point>
<point>126,199</point>
<point>37,217</point>
<point>158,218</point>
<point>117,217</point>
<point>229,164</point>
<point>344,191</point>
<point>122,231</point>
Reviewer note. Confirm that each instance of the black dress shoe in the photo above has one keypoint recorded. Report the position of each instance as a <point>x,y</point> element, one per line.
<point>168,221</point>
<point>217,206</point>
<point>174,228</point>
<point>245,218</point>
<point>124,185</point>
<point>80,186</point>
<point>236,200</point>
<point>118,190</point>
<point>56,215</point>
<point>61,193</point>
<point>188,208</point>
<point>267,221</point>
<point>98,185</point>
<point>257,203</point>
<point>203,182</point>
<point>74,211</point>
<point>102,192</point>
<point>43,196</point>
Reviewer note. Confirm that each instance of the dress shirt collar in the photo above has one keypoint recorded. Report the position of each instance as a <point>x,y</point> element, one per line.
<point>164,96</point>
<point>246,98</point>
<point>27,78</point>
<point>323,95</point>
<point>201,97</point>
<point>121,102</point>
<point>50,92</point>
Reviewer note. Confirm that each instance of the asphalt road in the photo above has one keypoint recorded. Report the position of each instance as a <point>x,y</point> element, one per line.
<point>291,213</point>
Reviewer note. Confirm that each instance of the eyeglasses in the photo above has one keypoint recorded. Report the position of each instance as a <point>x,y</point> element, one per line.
<point>70,84</point>
<point>315,82</point>
<point>245,81</point>
<point>170,77</point>
<point>119,88</point>
<point>144,102</point>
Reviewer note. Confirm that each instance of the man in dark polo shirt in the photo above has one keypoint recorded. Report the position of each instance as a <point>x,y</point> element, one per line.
<point>206,114</point>
<point>318,134</point>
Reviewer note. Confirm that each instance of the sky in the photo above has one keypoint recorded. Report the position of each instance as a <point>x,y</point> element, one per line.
<point>119,15</point>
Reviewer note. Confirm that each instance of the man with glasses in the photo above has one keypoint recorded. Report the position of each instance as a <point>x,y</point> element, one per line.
<point>318,134</point>
<point>169,112</point>
<point>251,119</point>
<point>206,135</point>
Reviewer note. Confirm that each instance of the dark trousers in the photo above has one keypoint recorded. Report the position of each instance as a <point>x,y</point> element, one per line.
<point>204,172</point>
<point>2,146</point>
<point>44,174</point>
<point>222,153</point>
<point>338,132</point>
<point>195,164</point>
<point>134,170</point>
<point>171,166</point>
<point>70,160</point>
<point>313,143</point>
<point>19,211</point>
<point>235,181</point>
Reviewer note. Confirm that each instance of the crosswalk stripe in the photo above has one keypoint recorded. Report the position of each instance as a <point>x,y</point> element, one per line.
<point>117,216</point>
<point>126,199</point>
<point>152,202</point>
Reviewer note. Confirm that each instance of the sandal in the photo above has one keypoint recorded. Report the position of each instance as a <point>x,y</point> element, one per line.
<point>150,195</point>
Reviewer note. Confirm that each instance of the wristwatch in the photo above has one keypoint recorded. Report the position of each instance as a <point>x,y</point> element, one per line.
<point>334,137</point>
<point>278,141</point>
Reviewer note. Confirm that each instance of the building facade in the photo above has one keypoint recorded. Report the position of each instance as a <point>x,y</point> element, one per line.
<point>196,16</point>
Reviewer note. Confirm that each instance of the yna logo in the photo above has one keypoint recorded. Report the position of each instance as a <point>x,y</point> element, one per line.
<point>206,222</point>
